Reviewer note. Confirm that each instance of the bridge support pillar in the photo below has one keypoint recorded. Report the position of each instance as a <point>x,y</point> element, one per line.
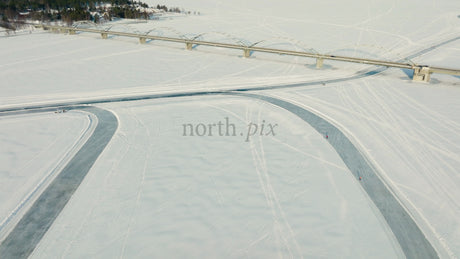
<point>189,45</point>
<point>104,35</point>
<point>246,53</point>
<point>319,62</point>
<point>142,40</point>
<point>421,74</point>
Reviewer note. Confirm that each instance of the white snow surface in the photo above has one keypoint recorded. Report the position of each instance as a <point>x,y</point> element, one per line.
<point>154,192</point>
<point>411,133</point>
<point>389,30</point>
<point>34,149</point>
<point>162,194</point>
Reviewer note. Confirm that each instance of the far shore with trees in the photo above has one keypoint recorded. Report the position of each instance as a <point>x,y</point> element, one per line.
<point>69,11</point>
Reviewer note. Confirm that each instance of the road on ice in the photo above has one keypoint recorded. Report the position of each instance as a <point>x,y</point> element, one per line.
<point>38,219</point>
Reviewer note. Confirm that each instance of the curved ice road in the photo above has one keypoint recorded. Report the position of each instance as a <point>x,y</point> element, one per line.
<point>34,224</point>
<point>28,232</point>
<point>31,228</point>
<point>411,239</point>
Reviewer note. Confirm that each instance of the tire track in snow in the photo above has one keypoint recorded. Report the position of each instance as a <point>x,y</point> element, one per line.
<point>150,151</point>
<point>25,236</point>
<point>280,222</point>
<point>411,239</point>
<point>47,178</point>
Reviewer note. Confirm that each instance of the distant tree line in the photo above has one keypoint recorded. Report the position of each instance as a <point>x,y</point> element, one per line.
<point>74,10</point>
<point>166,9</point>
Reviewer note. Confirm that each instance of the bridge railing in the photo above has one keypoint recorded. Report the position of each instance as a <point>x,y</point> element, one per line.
<point>421,72</point>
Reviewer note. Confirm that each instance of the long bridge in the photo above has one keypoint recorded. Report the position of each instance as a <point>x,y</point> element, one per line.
<point>421,72</point>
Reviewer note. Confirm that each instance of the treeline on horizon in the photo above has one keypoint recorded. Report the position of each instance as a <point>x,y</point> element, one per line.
<point>73,10</point>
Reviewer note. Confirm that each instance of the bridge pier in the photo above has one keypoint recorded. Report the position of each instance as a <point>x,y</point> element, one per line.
<point>246,53</point>
<point>319,62</point>
<point>421,74</point>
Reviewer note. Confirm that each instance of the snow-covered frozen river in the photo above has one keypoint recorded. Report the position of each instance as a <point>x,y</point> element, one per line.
<point>155,192</point>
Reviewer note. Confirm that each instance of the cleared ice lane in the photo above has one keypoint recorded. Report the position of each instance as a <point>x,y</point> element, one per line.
<point>33,225</point>
<point>411,239</point>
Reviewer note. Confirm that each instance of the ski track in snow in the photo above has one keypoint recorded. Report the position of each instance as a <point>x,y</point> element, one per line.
<point>270,194</point>
<point>402,138</point>
<point>28,197</point>
<point>150,152</point>
<point>281,227</point>
<point>35,223</point>
<point>280,222</point>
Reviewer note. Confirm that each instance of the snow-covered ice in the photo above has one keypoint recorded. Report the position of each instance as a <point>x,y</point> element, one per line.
<point>411,132</point>
<point>161,193</point>
<point>155,192</point>
<point>34,149</point>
